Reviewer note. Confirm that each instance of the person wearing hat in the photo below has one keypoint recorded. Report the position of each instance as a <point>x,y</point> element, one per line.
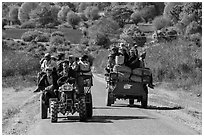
<point>49,78</point>
<point>110,64</point>
<point>46,63</point>
<point>61,58</point>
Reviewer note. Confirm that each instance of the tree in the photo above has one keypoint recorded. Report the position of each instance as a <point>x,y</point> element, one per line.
<point>148,13</point>
<point>73,19</point>
<point>132,35</point>
<point>121,14</point>
<point>82,6</point>
<point>43,16</point>
<point>136,18</point>
<point>171,11</point>
<point>25,9</point>
<point>92,12</point>
<point>62,14</point>
<point>13,14</point>
<point>161,22</point>
<point>192,9</point>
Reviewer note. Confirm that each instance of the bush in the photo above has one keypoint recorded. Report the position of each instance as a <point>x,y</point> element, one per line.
<point>161,22</point>
<point>101,40</point>
<point>193,28</point>
<point>35,35</point>
<point>73,19</point>
<point>196,38</point>
<point>136,18</point>
<point>43,38</point>
<point>57,40</point>
<point>132,35</point>
<point>92,13</point>
<point>28,25</point>
<point>57,33</point>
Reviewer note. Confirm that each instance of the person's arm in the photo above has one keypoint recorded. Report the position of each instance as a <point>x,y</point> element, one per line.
<point>43,66</point>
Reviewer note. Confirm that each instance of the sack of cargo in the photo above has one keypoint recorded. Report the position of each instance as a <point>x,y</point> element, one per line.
<point>84,66</point>
<point>119,60</point>
<point>121,68</point>
<point>141,79</point>
<point>142,72</point>
<point>146,79</point>
<point>123,76</point>
<point>136,78</point>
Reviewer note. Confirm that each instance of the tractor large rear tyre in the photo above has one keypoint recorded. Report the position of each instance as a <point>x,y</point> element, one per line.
<point>43,107</point>
<point>82,109</point>
<point>53,110</point>
<point>89,105</point>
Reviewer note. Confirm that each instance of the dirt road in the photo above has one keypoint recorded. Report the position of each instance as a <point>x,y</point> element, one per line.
<point>120,119</point>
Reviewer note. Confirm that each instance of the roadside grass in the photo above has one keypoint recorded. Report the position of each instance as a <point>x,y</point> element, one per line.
<point>18,63</point>
<point>10,112</point>
<point>177,63</point>
<point>74,36</point>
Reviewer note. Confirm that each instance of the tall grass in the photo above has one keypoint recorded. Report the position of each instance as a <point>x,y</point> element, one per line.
<point>176,62</point>
<point>18,63</point>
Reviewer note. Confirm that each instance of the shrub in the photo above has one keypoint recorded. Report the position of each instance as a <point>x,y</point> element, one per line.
<point>132,35</point>
<point>193,28</point>
<point>136,18</point>
<point>73,19</point>
<point>148,12</point>
<point>57,33</point>
<point>161,22</point>
<point>43,38</point>
<point>196,38</point>
<point>29,36</point>
<point>92,13</point>
<point>101,40</point>
<point>57,40</point>
<point>28,25</point>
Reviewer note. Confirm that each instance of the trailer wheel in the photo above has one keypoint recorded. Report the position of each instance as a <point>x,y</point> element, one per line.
<point>131,101</point>
<point>110,99</point>
<point>144,101</point>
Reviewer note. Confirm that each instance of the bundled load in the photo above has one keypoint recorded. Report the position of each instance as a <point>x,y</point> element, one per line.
<point>141,75</point>
<point>128,66</point>
<point>123,71</point>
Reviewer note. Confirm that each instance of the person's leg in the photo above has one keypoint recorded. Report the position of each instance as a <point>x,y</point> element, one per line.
<point>39,76</point>
<point>151,82</point>
<point>49,93</point>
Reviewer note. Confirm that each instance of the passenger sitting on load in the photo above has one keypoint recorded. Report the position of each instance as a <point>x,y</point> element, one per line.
<point>110,64</point>
<point>122,57</point>
<point>48,83</point>
<point>133,61</point>
<point>45,63</point>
